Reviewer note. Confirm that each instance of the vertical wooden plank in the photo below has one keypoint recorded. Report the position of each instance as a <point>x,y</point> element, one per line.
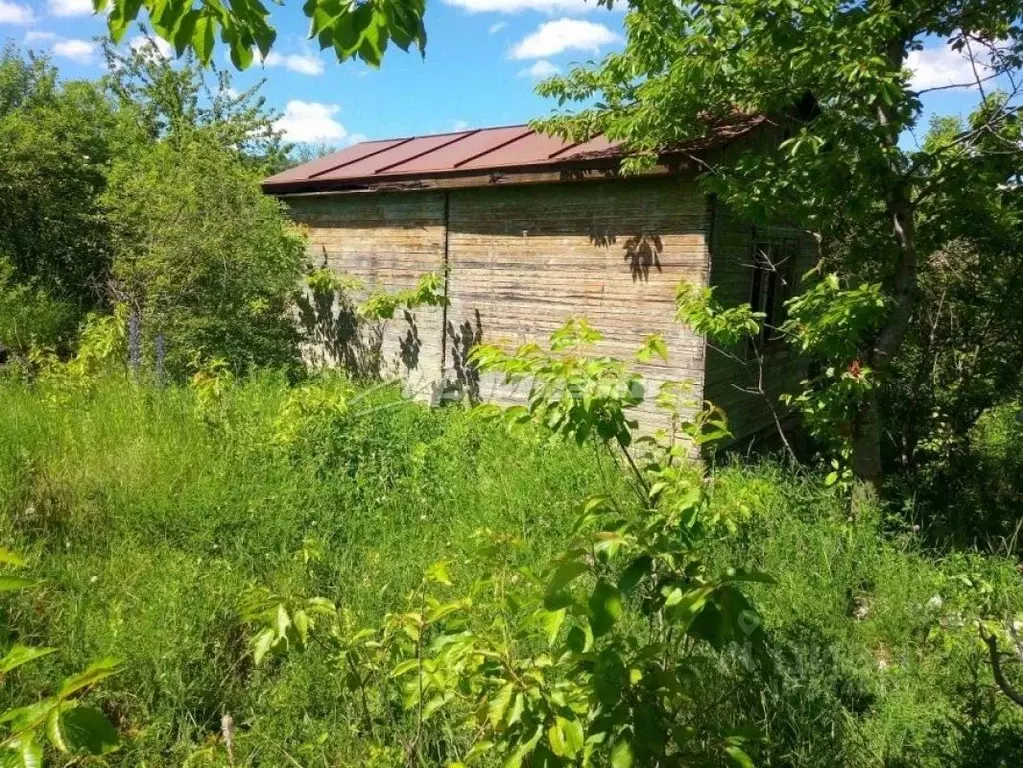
<point>388,241</point>
<point>524,259</point>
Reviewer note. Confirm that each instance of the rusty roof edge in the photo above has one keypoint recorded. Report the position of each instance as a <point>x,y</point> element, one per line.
<point>491,175</point>
<point>565,149</point>
<point>424,153</point>
<point>489,150</point>
<point>488,179</point>
<point>368,155</point>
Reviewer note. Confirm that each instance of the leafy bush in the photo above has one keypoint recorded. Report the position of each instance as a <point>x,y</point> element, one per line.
<point>54,147</point>
<point>208,260</point>
<point>30,318</point>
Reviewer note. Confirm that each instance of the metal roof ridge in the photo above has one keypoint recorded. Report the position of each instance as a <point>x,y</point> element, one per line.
<point>361,157</point>
<point>459,137</point>
<point>489,150</point>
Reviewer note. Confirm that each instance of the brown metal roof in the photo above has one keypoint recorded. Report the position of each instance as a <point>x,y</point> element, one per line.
<point>470,153</point>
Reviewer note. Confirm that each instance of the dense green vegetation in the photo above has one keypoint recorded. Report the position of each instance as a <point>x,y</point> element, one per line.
<point>131,192</point>
<point>150,512</point>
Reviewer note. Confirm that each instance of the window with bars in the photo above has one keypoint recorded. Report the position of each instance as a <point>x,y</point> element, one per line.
<point>772,284</point>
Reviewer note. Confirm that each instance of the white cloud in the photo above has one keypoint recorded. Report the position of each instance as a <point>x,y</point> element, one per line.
<point>356,138</point>
<point>309,122</point>
<point>937,67</point>
<point>459,125</point>
<point>143,43</point>
<point>495,28</point>
<point>37,36</point>
<point>80,51</point>
<point>14,13</point>
<point>70,7</point>
<point>540,70</point>
<point>554,37</point>
<point>517,6</point>
<point>303,63</point>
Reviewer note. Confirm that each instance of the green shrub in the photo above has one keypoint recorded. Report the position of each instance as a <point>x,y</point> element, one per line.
<point>210,262</point>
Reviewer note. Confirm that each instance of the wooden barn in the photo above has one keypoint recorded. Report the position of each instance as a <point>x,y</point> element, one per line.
<point>529,230</point>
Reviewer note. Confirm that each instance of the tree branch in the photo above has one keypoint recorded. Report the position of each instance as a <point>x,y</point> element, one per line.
<point>996,669</point>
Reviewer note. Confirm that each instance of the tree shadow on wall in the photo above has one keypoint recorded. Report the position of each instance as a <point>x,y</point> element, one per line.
<point>466,383</point>
<point>335,336</point>
<point>641,253</point>
<point>410,344</point>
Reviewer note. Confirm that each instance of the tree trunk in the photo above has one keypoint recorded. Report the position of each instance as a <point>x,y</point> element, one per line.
<point>866,458</point>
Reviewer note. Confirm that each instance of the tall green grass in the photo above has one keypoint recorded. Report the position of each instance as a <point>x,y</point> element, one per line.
<point>148,515</point>
<point>147,512</point>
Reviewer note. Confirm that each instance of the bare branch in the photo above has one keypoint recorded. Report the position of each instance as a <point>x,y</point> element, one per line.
<point>996,669</point>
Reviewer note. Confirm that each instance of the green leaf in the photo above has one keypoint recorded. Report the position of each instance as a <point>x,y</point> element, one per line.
<point>438,573</point>
<point>556,738</point>
<point>93,674</point>
<point>7,557</point>
<point>552,621</point>
<point>445,610</point>
<point>499,704</point>
<point>241,55</point>
<point>54,732</point>
<point>479,748</point>
<point>405,667</point>
<point>434,704</point>
<point>302,625</point>
<point>682,607</point>
<point>262,644</point>
<point>580,639</point>
<point>202,38</point>
<point>743,574</point>
<point>565,574</point>
<point>738,758</point>
<point>22,654</point>
<point>517,708</point>
<point>11,583</point>
<point>621,755</point>
<point>574,736</point>
<point>27,717</point>
<point>636,571</point>
<point>86,729</point>
<point>27,752</point>
<point>605,606</point>
<point>283,621</point>
<point>523,750</point>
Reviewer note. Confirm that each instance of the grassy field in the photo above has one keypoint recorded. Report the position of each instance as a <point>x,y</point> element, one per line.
<point>148,512</point>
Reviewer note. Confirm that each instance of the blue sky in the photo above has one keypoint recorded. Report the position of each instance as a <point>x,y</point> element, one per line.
<point>483,59</point>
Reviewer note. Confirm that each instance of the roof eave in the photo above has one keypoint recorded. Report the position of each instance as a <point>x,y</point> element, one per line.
<point>537,173</point>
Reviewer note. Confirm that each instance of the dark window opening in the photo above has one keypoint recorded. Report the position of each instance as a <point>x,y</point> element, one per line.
<point>772,285</point>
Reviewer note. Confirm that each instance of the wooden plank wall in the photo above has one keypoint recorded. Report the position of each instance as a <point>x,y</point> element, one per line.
<point>524,259</point>
<point>729,373</point>
<point>387,241</point>
<point>521,261</point>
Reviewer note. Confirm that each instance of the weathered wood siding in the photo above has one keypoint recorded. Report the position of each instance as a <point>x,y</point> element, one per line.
<point>521,260</point>
<point>524,259</point>
<point>731,374</point>
<point>387,242</point>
